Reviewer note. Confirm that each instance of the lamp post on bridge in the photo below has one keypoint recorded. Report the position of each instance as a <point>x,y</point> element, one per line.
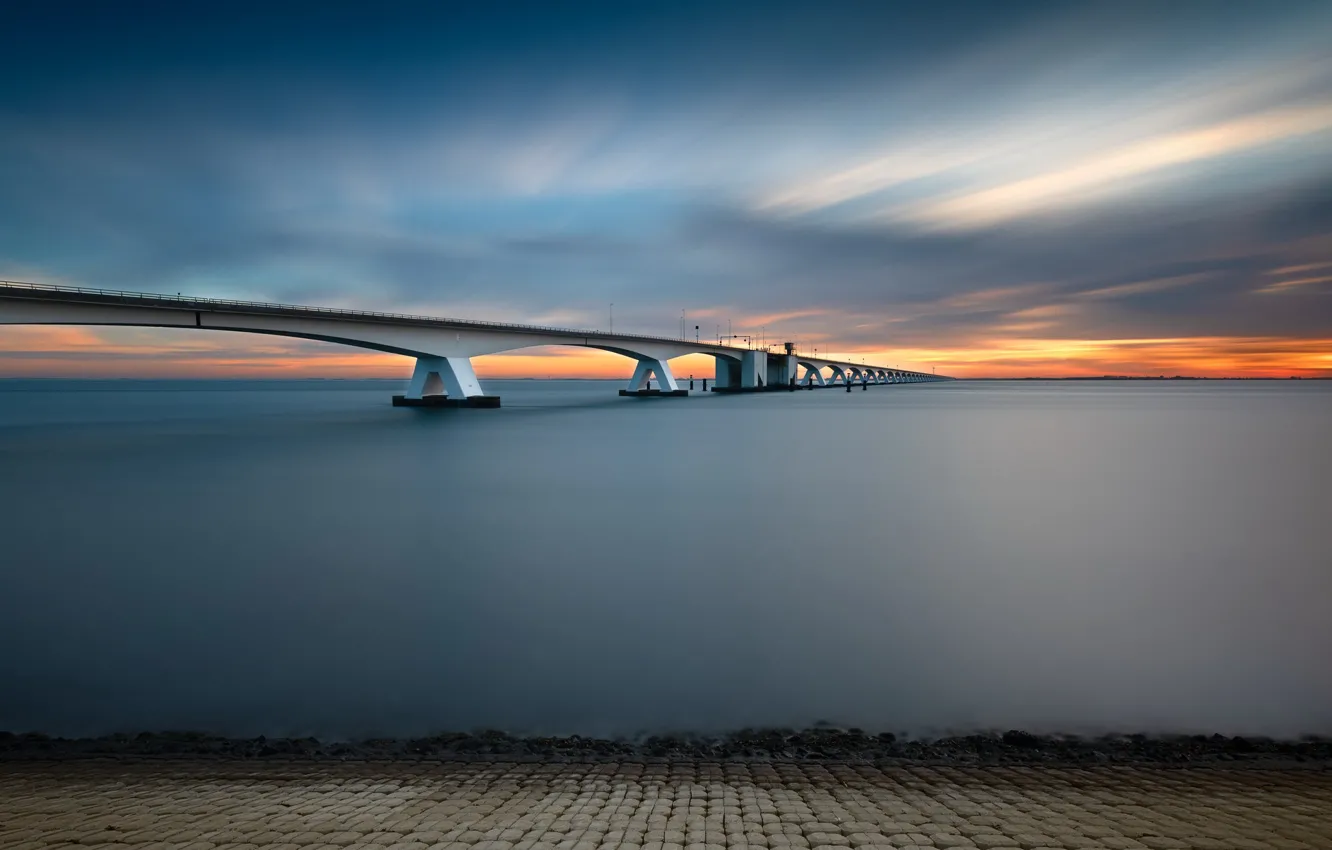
<point>612,317</point>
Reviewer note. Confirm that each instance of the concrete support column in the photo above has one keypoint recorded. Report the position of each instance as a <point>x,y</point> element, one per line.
<point>754,369</point>
<point>646,369</point>
<point>814,377</point>
<point>727,375</point>
<point>451,376</point>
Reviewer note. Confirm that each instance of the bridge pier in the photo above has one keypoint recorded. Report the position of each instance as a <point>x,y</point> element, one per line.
<point>754,369</point>
<point>749,374</point>
<point>444,382</point>
<point>727,375</point>
<point>641,383</point>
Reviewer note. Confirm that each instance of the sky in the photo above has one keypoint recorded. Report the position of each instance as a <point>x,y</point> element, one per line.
<point>984,189</point>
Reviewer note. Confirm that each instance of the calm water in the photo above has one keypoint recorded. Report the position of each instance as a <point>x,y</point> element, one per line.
<point>302,558</point>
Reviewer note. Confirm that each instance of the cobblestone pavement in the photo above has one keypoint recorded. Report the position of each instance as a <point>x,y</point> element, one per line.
<point>210,805</point>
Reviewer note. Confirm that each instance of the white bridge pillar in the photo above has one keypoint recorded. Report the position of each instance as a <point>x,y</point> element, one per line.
<point>754,369</point>
<point>648,367</point>
<point>727,374</point>
<point>451,376</point>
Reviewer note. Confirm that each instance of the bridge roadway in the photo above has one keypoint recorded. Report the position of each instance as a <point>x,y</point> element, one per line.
<point>443,348</point>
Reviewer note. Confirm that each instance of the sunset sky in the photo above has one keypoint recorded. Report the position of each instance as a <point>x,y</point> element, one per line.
<point>989,189</point>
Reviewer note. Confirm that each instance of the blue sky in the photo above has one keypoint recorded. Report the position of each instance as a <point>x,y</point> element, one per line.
<point>992,188</point>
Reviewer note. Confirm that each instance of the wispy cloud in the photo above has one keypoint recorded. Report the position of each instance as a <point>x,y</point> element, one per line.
<point>1123,290</point>
<point>868,178</point>
<point>1299,283</point>
<point>1305,267</point>
<point>995,298</point>
<point>1107,173</point>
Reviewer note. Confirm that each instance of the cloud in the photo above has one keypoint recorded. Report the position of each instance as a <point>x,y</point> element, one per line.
<point>1287,285</point>
<point>1105,174</point>
<point>868,178</point>
<point>1305,267</point>
<point>1122,290</point>
<point>1062,98</point>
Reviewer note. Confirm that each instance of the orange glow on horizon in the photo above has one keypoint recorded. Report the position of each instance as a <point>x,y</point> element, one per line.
<point>1203,357</point>
<point>77,352</point>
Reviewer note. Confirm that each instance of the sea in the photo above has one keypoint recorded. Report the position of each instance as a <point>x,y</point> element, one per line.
<point>302,558</point>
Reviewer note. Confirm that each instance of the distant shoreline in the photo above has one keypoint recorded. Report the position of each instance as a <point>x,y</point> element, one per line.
<point>1152,378</point>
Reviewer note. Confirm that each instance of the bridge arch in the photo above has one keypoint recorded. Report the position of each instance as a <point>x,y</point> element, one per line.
<point>813,374</point>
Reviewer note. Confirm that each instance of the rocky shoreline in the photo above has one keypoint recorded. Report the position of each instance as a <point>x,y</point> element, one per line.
<point>778,745</point>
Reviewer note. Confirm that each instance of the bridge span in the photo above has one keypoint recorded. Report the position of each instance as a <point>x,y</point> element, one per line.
<point>443,348</point>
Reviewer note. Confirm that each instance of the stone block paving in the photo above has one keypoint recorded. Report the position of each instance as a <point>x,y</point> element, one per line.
<point>322,805</point>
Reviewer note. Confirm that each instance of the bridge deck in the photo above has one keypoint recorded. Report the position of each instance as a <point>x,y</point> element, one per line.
<point>216,804</point>
<point>385,331</point>
<point>109,297</point>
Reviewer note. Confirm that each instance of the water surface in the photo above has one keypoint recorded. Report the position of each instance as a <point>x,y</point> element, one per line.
<point>302,558</point>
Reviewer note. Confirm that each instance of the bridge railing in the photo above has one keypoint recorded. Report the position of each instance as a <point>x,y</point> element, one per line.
<point>339,311</point>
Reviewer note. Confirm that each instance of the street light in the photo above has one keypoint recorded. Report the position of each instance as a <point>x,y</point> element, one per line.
<point>612,317</point>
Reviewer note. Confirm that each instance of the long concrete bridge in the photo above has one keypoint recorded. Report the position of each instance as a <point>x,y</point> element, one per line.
<point>443,348</point>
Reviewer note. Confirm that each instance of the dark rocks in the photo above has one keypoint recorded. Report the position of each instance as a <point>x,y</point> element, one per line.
<point>821,743</point>
<point>1026,740</point>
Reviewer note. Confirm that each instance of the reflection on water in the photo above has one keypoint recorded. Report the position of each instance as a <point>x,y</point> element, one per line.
<point>305,559</point>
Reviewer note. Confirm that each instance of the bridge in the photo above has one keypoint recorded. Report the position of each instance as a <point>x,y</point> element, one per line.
<point>443,348</point>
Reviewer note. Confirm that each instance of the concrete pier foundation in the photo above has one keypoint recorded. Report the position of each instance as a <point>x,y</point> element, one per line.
<point>445,401</point>
<point>653,393</point>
